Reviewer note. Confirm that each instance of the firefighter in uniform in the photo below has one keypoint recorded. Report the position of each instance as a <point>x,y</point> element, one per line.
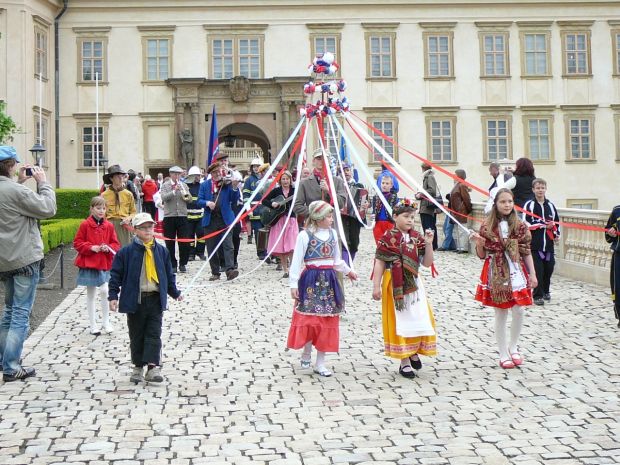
<point>250,186</point>
<point>194,216</point>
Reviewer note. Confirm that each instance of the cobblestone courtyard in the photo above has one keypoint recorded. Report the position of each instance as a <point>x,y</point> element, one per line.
<point>234,395</point>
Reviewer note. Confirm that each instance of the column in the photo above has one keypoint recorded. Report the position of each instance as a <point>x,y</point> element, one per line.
<point>195,107</point>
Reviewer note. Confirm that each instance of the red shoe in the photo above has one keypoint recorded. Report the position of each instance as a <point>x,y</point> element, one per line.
<point>506,364</point>
<point>517,359</point>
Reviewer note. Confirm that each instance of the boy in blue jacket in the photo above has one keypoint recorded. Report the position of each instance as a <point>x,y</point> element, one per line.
<point>142,273</point>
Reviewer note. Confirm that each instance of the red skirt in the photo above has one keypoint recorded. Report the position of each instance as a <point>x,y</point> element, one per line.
<point>380,227</point>
<point>483,291</point>
<point>322,331</point>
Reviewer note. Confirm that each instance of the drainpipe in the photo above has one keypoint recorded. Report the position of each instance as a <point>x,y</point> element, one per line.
<point>57,94</point>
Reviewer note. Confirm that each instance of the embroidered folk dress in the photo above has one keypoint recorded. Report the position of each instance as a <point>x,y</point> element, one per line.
<point>412,330</point>
<point>321,300</point>
<point>521,294</point>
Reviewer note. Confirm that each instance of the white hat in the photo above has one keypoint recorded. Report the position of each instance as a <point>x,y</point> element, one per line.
<point>194,170</point>
<point>141,218</point>
<point>236,176</point>
<point>175,169</point>
<point>256,161</point>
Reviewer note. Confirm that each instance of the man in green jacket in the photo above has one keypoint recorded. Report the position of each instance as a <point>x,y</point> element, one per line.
<point>21,250</point>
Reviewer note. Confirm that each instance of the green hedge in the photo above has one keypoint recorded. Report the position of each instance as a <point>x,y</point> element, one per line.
<point>56,232</point>
<point>73,203</point>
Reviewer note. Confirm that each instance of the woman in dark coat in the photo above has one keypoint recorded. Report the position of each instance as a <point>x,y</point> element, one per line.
<point>524,175</point>
<point>613,237</point>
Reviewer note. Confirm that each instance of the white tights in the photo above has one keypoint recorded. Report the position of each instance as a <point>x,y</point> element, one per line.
<point>90,305</point>
<point>501,319</point>
<point>307,355</point>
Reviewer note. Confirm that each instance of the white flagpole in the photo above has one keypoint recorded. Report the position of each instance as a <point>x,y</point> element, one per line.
<point>97,127</point>
<point>40,117</point>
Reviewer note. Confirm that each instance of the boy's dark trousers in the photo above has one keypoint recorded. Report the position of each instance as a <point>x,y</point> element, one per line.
<point>145,330</point>
<point>544,270</point>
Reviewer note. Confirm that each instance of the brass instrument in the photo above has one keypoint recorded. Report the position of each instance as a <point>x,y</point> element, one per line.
<point>185,193</point>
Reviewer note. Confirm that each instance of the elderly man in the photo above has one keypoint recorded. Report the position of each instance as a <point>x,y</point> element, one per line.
<point>315,187</point>
<point>175,196</point>
<point>21,250</point>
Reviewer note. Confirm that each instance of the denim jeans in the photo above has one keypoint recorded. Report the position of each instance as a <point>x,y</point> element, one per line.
<point>448,242</point>
<point>19,291</point>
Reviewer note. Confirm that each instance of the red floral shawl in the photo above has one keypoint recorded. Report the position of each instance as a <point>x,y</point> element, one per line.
<point>404,259</point>
<point>517,245</point>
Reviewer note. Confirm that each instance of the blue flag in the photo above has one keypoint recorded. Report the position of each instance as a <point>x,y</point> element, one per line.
<point>214,145</point>
<point>346,158</point>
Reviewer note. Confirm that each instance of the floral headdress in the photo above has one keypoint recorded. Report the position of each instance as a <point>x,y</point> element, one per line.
<point>404,203</point>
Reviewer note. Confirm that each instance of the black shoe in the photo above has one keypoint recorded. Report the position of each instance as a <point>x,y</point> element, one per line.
<point>547,296</point>
<point>407,374</point>
<point>539,301</point>
<point>285,275</point>
<point>462,251</point>
<point>202,257</point>
<point>268,261</point>
<point>214,277</point>
<point>416,364</point>
<point>250,240</point>
<point>441,249</point>
<point>183,269</point>
<point>22,373</point>
<point>231,274</point>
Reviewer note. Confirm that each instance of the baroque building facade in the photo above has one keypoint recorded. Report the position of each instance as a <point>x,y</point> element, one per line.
<point>462,83</point>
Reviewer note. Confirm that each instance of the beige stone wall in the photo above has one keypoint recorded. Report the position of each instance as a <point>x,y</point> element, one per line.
<point>409,99</point>
<point>19,85</point>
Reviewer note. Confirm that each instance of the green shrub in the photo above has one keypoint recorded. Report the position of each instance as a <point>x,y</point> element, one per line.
<point>58,232</point>
<point>73,203</point>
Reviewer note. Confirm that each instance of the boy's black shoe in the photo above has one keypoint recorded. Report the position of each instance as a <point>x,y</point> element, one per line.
<point>22,373</point>
<point>547,296</point>
<point>539,301</point>
<point>183,269</point>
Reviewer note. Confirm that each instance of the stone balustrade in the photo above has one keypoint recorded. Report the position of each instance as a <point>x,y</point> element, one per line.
<point>242,156</point>
<point>581,255</point>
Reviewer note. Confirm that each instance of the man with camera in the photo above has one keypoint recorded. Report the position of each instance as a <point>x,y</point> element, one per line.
<point>175,196</point>
<point>21,250</point>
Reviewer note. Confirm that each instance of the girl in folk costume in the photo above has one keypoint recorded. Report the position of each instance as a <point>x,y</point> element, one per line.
<point>96,244</point>
<point>408,322</point>
<point>285,246</point>
<point>317,295</point>
<point>504,243</point>
<point>383,220</point>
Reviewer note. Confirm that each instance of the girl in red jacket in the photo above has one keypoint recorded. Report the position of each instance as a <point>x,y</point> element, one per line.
<point>96,245</point>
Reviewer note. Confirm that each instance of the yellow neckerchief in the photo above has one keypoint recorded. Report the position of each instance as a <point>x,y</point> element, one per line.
<point>149,262</point>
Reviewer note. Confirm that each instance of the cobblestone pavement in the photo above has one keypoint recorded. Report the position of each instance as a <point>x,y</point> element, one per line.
<point>234,395</point>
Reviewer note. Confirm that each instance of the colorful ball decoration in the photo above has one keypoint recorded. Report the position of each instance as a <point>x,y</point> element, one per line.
<point>309,87</point>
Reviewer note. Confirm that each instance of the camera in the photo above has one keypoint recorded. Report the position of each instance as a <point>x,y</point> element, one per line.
<point>28,172</point>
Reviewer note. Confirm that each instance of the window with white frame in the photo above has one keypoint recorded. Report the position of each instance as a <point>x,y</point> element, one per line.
<point>438,53</point>
<point>236,56</point>
<point>323,44</point>
<point>441,139</point>
<point>538,138</point>
<point>616,51</point>
<point>157,59</point>
<point>92,145</point>
<point>580,138</point>
<point>40,41</point>
<point>332,139</point>
<point>497,138</point>
<point>576,53</point>
<point>536,53</point>
<point>381,55</point>
<point>388,128</point>
<point>92,59</point>
<point>495,54</point>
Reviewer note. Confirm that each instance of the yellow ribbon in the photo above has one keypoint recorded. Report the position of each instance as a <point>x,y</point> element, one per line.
<point>149,262</point>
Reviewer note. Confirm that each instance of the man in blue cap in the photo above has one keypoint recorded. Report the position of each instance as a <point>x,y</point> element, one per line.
<point>21,251</point>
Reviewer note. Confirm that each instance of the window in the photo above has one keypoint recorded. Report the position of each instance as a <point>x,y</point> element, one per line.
<point>236,56</point>
<point>441,138</point>
<point>582,204</point>
<point>40,55</point>
<point>615,46</point>
<point>332,140</point>
<point>580,138</point>
<point>535,54</point>
<point>92,46</point>
<point>538,137</point>
<point>92,60</point>
<point>93,146</point>
<point>381,56</point>
<point>497,138</point>
<point>576,48</point>
<point>157,59</point>
<point>438,55</point>
<point>495,54</point>
<point>387,128</point>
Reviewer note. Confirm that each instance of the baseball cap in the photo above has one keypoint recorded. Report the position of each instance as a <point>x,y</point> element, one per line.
<point>7,152</point>
<point>141,218</point>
